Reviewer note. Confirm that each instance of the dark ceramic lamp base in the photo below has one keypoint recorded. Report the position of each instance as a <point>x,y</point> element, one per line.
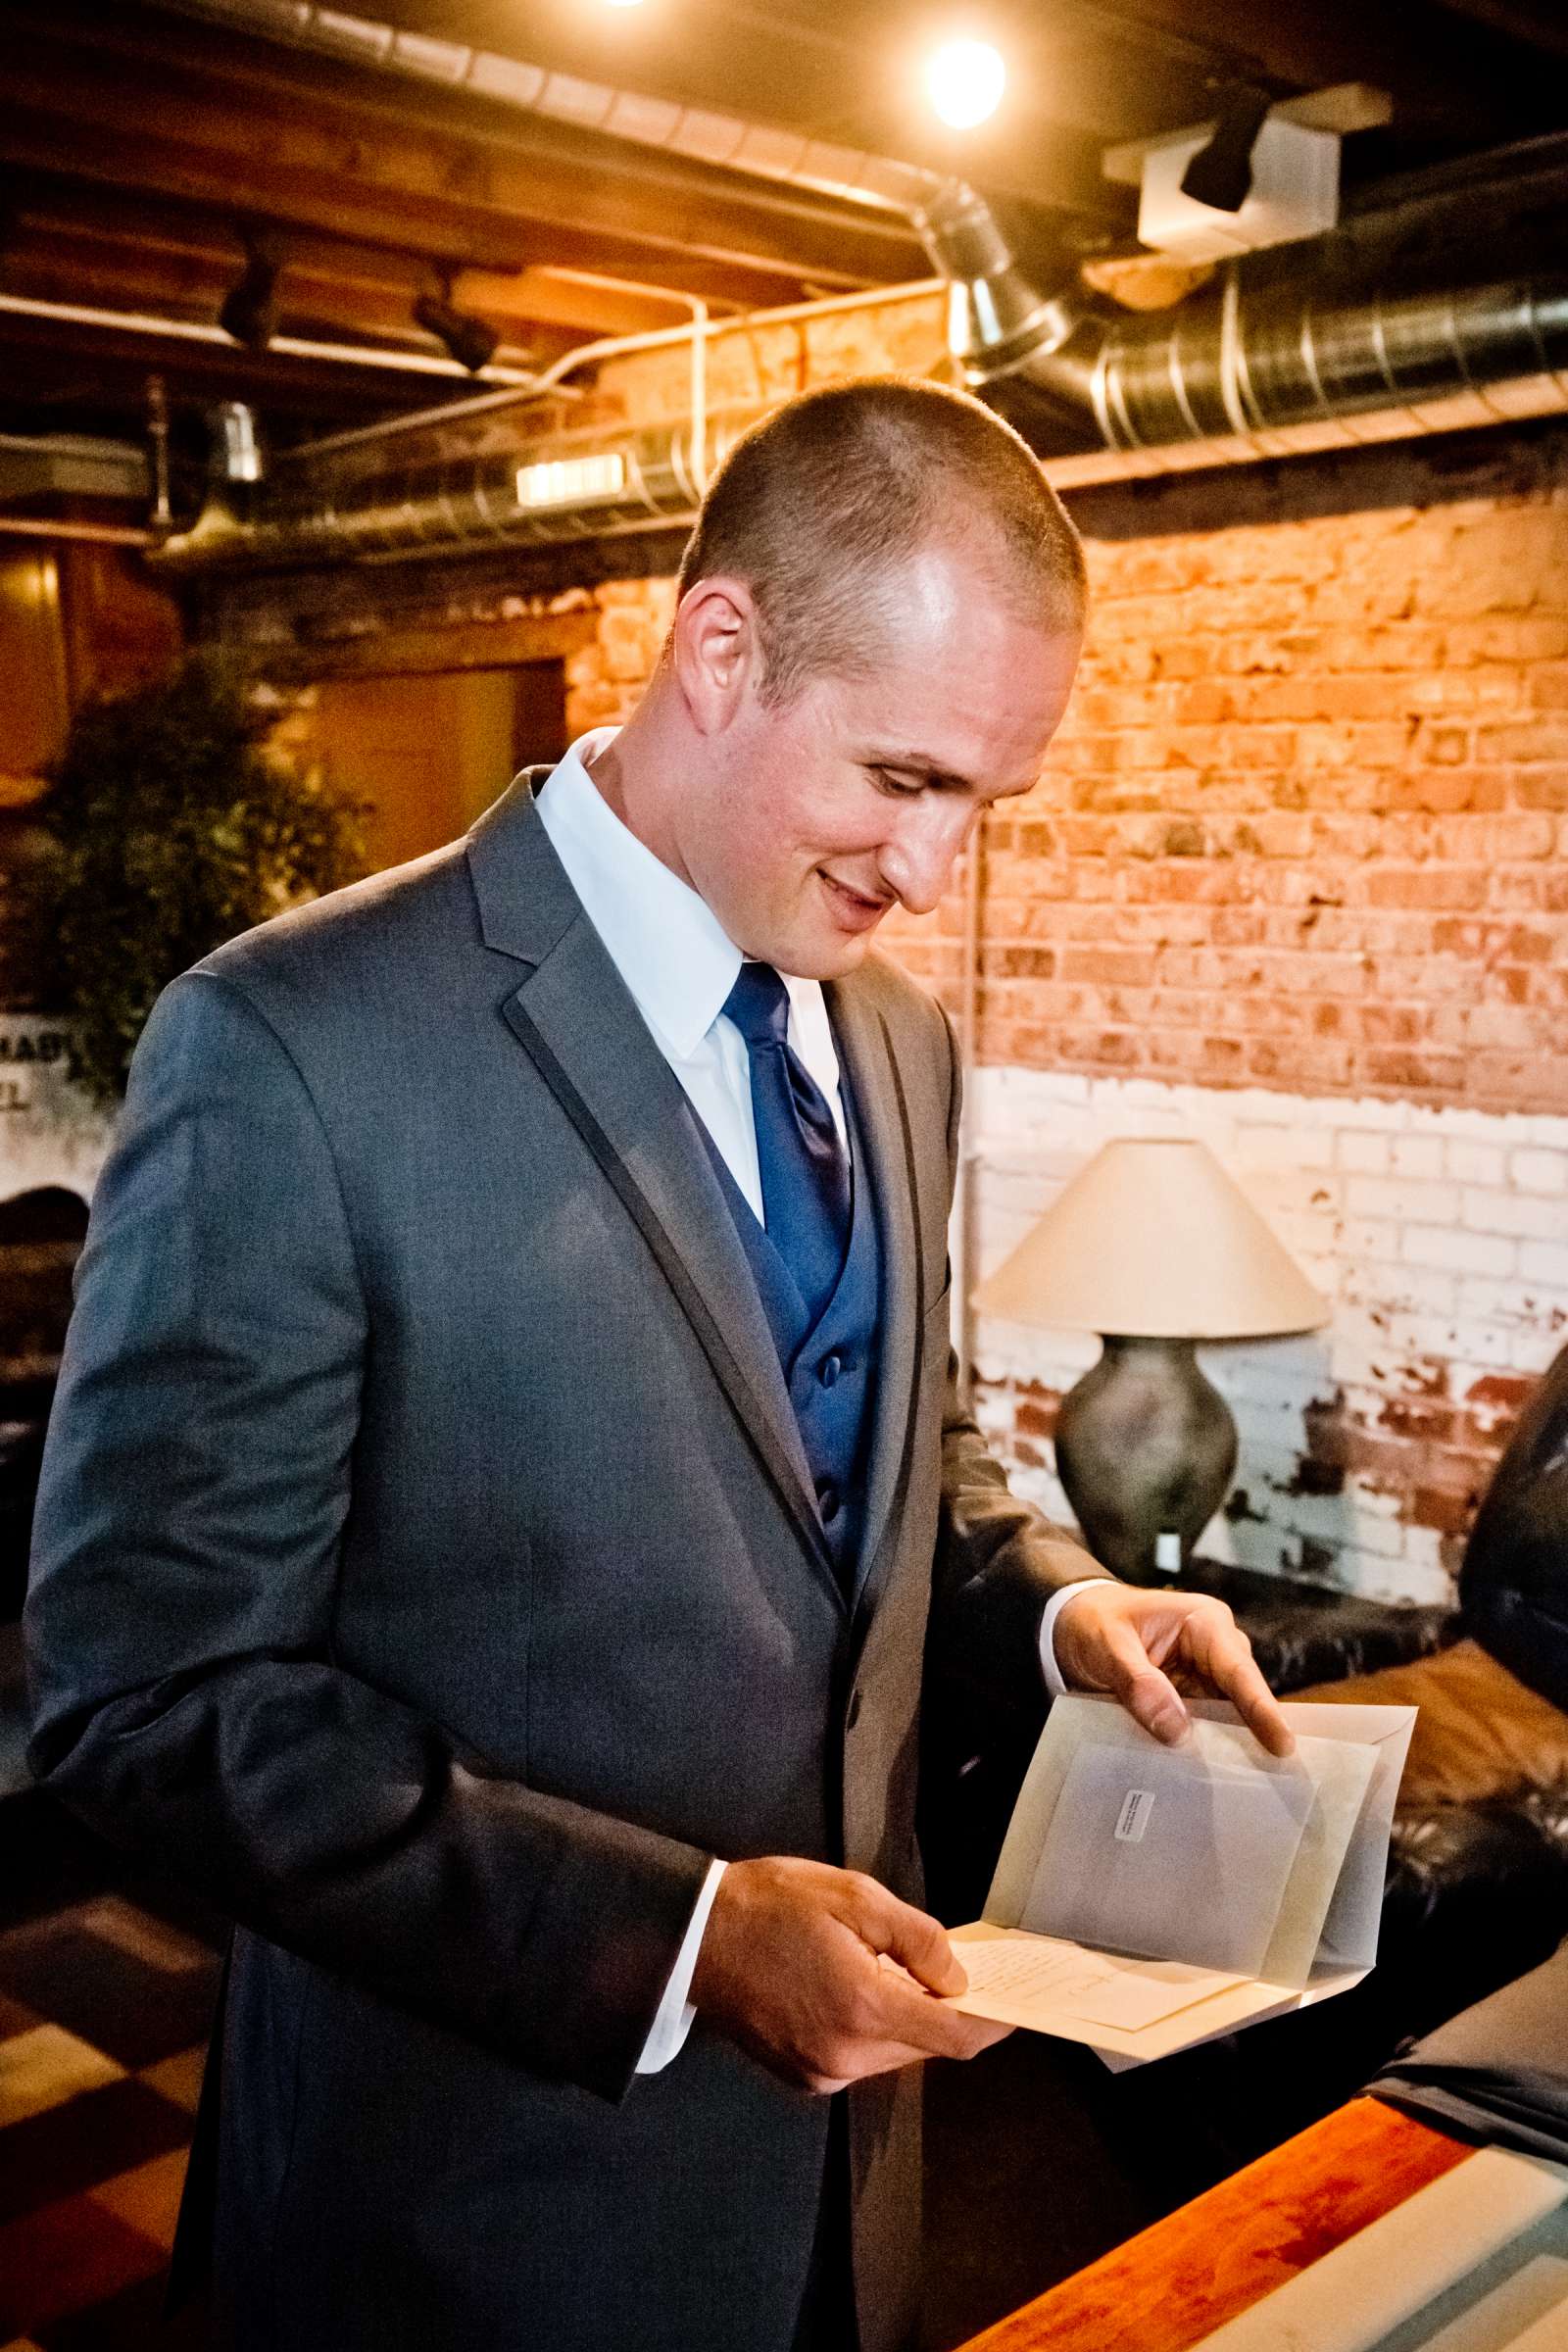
<point>1145,1447</point>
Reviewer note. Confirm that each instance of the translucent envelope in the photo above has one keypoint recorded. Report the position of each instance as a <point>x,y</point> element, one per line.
<point>1149,1897</point>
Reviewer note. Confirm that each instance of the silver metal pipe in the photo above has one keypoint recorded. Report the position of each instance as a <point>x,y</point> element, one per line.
<point>566,486</point>
<point>1246,373</point>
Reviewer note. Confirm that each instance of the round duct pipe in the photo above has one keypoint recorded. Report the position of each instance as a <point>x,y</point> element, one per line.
<point>567,487</point>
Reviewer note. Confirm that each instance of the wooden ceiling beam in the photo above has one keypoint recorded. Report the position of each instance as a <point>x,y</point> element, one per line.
<point>285,145</point>
<point>78,245</point>
<point>56,204</point>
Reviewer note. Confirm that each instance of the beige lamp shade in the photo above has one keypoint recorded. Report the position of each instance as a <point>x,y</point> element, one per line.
<point>1153,1241</point>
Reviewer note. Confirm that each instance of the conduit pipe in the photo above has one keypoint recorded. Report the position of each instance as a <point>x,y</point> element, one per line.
<point>1269,359</point>
<point>296,347</point>
<point>97,534</point>
<point>605,347</point>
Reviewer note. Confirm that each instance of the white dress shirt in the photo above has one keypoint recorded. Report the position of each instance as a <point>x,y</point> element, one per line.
<point>679,966</point>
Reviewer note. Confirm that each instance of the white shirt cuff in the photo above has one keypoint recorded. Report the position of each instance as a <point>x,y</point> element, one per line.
<point>672,2021</point>
<point>1055,1681</point>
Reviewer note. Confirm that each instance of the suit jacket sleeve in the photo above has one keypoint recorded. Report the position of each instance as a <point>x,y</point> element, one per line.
<point>179,1627</point>
<point>999,1560</point>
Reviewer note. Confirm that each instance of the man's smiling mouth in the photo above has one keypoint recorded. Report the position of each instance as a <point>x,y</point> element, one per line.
<point>855,905</point>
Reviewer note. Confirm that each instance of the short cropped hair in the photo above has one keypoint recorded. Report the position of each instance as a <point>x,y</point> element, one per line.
<point>821,507</point>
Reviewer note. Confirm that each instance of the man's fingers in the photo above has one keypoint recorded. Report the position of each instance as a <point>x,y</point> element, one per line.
<point>1118,1639</point>
<point>911,1938</point>
<point>963,2037</point>
<point>826,1975</point>
<point>1148,1695</point>
<point>925,2028</point>
<point>1223,1655</point>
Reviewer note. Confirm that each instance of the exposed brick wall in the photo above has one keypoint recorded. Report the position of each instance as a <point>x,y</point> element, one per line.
<point>1303,826</point>
<point>606,677</point>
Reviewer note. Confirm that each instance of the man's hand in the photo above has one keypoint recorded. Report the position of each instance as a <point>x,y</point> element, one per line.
<point>790,1967</point>
<point>1127,1641</point>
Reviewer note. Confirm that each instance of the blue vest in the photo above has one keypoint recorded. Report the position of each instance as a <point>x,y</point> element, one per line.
<point>829,1365</point>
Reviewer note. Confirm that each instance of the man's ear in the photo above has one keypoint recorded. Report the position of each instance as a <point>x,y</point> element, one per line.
<point>715,649</point>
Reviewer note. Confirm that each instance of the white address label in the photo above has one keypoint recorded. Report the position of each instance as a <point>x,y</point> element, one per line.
<point>1133,1818</point>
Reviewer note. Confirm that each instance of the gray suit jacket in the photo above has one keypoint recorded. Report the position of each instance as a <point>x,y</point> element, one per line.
<point>426,1564</point>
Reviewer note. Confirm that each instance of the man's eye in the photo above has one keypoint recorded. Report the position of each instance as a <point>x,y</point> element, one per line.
<point>892,781</point>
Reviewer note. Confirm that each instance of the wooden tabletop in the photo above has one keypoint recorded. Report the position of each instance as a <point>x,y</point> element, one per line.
<point>1167,2289</point>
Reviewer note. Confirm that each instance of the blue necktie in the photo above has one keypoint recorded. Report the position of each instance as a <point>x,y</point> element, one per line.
<point>805,1180</point>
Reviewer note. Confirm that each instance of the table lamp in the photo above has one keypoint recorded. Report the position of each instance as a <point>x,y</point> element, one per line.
<point>1153,1247</point>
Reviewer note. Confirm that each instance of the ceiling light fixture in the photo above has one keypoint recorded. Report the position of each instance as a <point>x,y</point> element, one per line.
<point>965,82</point>
<point>251,309</point>
<point>1220,173</point>
<point>472,342</point>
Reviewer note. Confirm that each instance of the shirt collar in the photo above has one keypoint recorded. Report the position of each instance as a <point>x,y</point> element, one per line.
<point>664,940</point>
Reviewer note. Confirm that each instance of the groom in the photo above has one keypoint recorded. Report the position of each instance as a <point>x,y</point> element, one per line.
<point>507,1475</point>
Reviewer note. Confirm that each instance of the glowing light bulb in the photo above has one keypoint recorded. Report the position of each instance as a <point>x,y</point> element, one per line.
<point>965,82</point>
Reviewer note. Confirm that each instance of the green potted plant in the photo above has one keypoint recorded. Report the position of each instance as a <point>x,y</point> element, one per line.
<point>169,827</point>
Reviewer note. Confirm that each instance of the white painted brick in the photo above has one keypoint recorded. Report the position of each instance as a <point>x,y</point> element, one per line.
<point>1530,1217</point>
<point>1399,1290</point>
<point>1367,1110</point>
<point>1379,1534</point>
<point>1256,1546</point>
<point>1408,1203</point>
<point>1499,1302</point>
<point>1326,1518</point>
<point>1292,1149</point>
<point>1544,1263</point>
<point>1363,1154</point>
<point>1476,1163</point>
<point>1418,1156</point>
<point>1546,1128</point>
<point>1537,1171</point>
<point>1374,1238</point>
<point>1461,1252</point>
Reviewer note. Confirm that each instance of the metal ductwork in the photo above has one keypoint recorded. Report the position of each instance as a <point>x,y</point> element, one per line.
<point>563,486</point>
<point>1354,336</point>
<point>1320,350</point>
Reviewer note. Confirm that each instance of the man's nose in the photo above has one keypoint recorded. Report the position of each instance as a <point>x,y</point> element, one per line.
<point>916,862</point>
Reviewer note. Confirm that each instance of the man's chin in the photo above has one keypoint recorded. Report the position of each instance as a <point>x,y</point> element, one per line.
<point>831,958</point>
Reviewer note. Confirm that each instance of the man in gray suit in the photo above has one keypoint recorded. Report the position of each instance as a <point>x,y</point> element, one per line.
<point>507,1470</point>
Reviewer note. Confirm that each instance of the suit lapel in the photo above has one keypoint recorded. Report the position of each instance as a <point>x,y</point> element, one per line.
<point>575,1019</point>
<point>881,1118</point>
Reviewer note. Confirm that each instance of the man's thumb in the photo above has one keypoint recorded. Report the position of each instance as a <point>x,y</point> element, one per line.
<point>919,1944</point>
